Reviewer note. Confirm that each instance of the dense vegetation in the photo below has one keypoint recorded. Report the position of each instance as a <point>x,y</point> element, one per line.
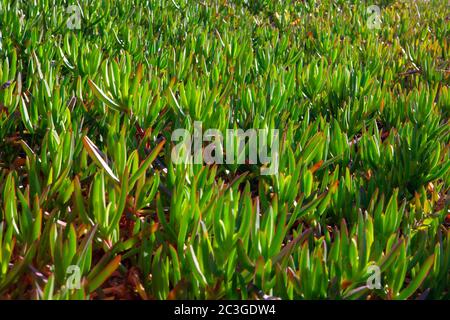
<point>86,177</point>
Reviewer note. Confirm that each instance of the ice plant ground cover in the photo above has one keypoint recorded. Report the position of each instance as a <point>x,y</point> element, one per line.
<point>93,207</point>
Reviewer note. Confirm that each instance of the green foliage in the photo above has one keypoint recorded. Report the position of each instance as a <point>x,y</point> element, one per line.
<point>87,181</point>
